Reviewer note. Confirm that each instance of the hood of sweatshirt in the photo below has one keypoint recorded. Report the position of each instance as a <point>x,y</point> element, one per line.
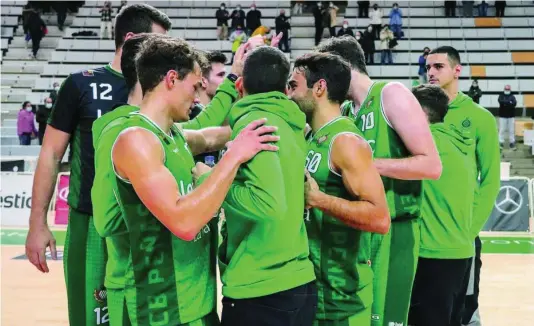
<point>461,140</point>
<point>273,102</point>
<point>459,100</point>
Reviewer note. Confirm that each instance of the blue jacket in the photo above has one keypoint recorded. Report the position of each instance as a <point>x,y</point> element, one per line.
<point>395,17</point>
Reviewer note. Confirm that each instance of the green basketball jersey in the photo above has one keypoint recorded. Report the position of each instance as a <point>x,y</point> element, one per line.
<point>340,254</point>
<point>404,196</point>
<point>168,281</point>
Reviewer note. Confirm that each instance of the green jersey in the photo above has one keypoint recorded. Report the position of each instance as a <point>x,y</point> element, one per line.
<point>167,281</point>
<point>404,196</point>
<point>340,254</point>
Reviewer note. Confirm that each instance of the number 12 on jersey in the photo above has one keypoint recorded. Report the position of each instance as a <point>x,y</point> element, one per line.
<point>105,89</point>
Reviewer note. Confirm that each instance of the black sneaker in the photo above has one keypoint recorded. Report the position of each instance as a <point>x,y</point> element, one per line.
<point>512,147</point>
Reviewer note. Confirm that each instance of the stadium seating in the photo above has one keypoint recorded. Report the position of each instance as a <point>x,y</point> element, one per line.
<point>497,51</point>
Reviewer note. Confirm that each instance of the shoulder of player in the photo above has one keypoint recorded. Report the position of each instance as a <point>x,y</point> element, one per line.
<point>391,92</point>
<point>346,146</point>
<point>138,141</point>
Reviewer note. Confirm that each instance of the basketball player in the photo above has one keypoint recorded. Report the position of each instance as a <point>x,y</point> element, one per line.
<point>344,193</point>
<point>405,154</point>
<point>266,274</point>
<point>83,97</point>
<point>443,69</point>
<point>169,253</point>
<point>446,237</point>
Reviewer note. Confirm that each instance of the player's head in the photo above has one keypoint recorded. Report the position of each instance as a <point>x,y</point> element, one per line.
<point>170,67</point>
<point>129,51</point>
<point>346,47</point>
<point>443,66</point>
<point>319,78</point>
<point>139,18</point>
<point>433,100</point>
<point>213,72</point>
<point>266,69</point>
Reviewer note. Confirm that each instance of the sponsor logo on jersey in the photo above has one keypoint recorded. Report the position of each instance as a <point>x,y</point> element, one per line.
<point>375,317</point>
<point>322,139</point>
<point>392,323</point>
<point>100,294</point>
<point>88,73</point>
<point>370,102</point>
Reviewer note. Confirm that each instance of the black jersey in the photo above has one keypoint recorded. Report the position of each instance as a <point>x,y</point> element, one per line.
<point>83,97</point>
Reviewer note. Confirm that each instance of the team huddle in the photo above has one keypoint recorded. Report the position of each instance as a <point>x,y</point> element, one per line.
<point>334,200</point>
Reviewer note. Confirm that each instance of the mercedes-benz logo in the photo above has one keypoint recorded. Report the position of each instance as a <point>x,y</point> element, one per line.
<point>512,202</point>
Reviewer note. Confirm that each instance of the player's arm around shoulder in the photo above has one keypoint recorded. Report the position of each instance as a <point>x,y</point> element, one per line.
<point>352,158</point>
<point>409,121</point>
<point>207,139</point>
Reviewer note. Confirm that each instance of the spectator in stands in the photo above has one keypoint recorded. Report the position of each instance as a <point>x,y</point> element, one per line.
<point>37,29</point>
<point>475,92</point>
<point>482,9</point>
<point>376,20</point>
<point>363,9</point>
<point>43,112</point>
<point>450,8</point>
<point>318,16</point>
<point>368,45</point>
<point>345,30</point>
<point>238,18</point>
<point>123,3</point>
<point>105,20</point>
<point>507,104</point>
<point>253,19</point>
<point>26,124</point>
<point>297,9</point>
<point>332,18</point>
<point>499,8</point>
<point>386,38</point>
<point>53,93</point>
<point>422,66</point>
<point>467,8</point>
<point>395,20</point>
<point>222,15</point>
<point>282,23</point>
<point>61,9</point>
<point>237,38</point>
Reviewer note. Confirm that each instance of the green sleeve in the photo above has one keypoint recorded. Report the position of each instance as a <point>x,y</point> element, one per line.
<point>258,191</point>
<point>217,110</point>
<point>488,161</point>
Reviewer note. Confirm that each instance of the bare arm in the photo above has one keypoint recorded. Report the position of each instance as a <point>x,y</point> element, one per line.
<point>208,139</point>
<point>368,210</point>
<point>183,215</point>
<point>409,121</point>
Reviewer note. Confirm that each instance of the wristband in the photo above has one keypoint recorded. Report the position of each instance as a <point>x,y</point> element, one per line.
<point>232,77</point>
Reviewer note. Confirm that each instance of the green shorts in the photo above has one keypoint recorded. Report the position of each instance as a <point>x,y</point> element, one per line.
<point>362,318</point>
<point>394,265</point>
<point>84,264</point>
<point>119,314</point>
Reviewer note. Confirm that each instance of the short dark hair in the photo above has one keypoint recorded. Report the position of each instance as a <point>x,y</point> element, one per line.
<point>138,18</point>
<point>159,55</point>
<point>452,54</point>
<point>129,51</point>
<point>346,47</point>
<point>266,69</point>
<point>434,101</point>
<point>332,68</point>
<point>213,57</point>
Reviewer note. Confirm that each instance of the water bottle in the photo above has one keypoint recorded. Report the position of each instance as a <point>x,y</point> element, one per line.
<point>209,161</point>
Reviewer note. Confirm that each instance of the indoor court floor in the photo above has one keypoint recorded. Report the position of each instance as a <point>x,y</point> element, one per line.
<point>29,297</point>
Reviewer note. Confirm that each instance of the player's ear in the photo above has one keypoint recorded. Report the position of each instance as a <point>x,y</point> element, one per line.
<point>170,78</point>
<point>319,88</point>
<point>457,71</point>
<point>128,36</point>
<point>204,82</point>
<point>239,86</point>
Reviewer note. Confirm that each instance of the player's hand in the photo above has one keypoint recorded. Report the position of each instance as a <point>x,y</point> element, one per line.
<point>255,41</point>
<point>253,139</point>
<point>276,40</point>
<point>36,242</point>
<point>199,170</point>
<point>311,190</point>
<point>239,59</point>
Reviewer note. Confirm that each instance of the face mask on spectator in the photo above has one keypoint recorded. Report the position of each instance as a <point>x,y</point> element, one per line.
<point>252,8</point>
<point>475,85</point>
<point>507,92</point>
<point>238,7</point>
<point>358,37</point>
<point>369,29</point>
<point>345,26</point>
<point>29,108</point>
<point>56,88</point>
<point>222,7</point>
<point>319,5</point>
<point>48,105</point>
